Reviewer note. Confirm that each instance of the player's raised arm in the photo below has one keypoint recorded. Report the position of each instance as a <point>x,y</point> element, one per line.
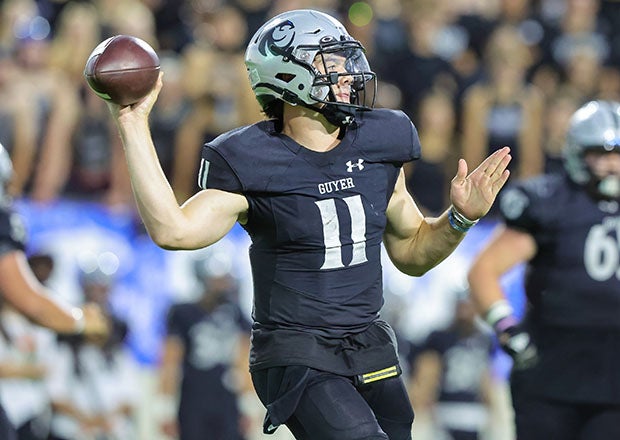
<point>202,220</point>
<point>416,243</point>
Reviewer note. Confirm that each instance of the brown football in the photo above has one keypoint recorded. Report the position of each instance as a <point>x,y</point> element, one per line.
<point>122,69</point>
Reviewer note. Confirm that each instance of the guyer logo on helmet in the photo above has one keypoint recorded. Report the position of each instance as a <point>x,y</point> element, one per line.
<point>281,36</point>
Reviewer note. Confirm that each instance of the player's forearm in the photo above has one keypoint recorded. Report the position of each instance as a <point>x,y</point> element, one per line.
<point>434,240</point>
<point>154,197</point>
<point>50,314</point>
<point>485,287</point>
<point>21,290</point>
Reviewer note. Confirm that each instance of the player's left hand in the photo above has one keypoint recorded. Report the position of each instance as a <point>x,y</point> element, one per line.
<point>473,195</point>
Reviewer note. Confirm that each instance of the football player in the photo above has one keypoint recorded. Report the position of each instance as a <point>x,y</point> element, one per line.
<point>204,358</point>
<point>565,228</point>
<point>318,187</point>
<point>21,289</point>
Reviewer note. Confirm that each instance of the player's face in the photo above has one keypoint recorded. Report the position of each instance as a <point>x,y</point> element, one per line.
<point>603,164</point>
<point>334,63</point>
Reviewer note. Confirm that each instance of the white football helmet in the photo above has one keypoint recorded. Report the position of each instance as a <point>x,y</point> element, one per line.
<point>280,62</point>
<point>595,126</point>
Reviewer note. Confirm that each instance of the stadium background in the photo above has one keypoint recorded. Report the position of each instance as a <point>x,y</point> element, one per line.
<point>72,223</point>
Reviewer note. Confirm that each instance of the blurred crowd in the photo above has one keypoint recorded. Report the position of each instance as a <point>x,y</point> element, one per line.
<point>473,75</point>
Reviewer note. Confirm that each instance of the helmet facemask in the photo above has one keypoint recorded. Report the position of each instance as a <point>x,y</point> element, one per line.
<point>335,63</point>
<point>607,186</point>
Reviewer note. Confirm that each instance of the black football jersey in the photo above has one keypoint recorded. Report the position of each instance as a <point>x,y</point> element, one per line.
<point>12,231</point>
<point>465,358</point>
<point>316,220</point>
<point>574,280</point>
<point>211,340</point>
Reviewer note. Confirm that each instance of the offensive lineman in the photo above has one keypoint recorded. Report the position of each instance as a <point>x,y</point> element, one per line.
<point>565,227</point>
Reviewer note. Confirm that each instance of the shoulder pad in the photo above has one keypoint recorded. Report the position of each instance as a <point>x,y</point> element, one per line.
<point>245,149</point>
<point>522,203</point>
<point>387,135</point>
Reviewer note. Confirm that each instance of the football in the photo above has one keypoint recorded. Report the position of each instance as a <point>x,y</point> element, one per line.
<point>122,69</point>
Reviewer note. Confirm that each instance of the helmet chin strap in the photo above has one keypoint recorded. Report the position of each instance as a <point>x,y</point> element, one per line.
<point>338,115</point>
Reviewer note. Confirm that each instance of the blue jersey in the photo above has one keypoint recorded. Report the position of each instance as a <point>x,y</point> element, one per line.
<point>316,221</point>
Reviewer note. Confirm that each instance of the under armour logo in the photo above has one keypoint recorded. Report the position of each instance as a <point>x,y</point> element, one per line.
<point>358,165</point>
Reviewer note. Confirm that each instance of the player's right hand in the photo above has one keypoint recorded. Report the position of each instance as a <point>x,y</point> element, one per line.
<point>96,324</point>
<point>517,342</point>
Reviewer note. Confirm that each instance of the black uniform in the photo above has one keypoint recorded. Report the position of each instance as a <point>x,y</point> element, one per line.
<point>12,238</point>
<point>316,222</point>
<point>573,292</point>
<point>208,407</point>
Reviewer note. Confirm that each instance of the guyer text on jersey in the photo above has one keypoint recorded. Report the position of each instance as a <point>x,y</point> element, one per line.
<point>336,185</point>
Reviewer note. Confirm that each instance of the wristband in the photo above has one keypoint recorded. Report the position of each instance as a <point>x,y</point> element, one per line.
<point>79,322</point>
<point>500,314</point>
<point>458,221</point>
<point>165,406</point>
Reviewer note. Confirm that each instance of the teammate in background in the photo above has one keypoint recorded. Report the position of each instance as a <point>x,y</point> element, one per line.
<point>20,288</point>
<point>451,377</point>
<point>25,357</point>
<point>565,228</point>
<point>318,187</point>
<point>93,385</point>
<point>205,356</point>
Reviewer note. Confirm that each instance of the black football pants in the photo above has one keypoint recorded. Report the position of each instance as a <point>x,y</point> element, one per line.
<point>539,419</point>
<point>330,407</point>
<point>7,431</point>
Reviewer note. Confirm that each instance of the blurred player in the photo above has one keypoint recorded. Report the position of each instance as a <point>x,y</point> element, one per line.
<point>206,352</point>
<point>21,289</point>
<point>318,187</point>
<point>93,385</point>
<point>566,228</point>
<point>451,377</point>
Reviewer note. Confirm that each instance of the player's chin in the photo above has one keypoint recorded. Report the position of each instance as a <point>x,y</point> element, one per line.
<point>343,99</point>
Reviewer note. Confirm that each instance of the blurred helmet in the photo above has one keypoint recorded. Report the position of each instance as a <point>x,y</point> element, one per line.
<point>215,261</point>
<point>280,58</point>
<point>595,126</point>
<point>97,268</point>
<point>6,172</point>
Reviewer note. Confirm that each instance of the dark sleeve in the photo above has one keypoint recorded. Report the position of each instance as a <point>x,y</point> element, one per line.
<point>216,173</point>
<point>245,326</point>
<point>12,232</point>
<point>416,149</point>
<point>173,322</point>
<point>518,207</point>
<point>437,341</point>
